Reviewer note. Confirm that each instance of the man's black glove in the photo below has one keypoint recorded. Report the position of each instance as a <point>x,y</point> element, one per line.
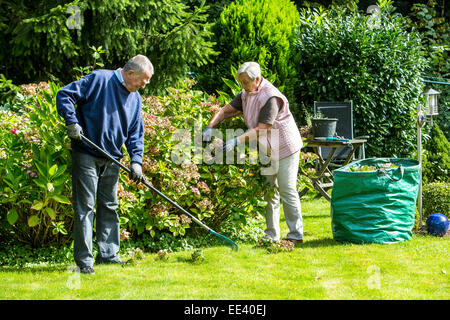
<point>136,172</point>
<point>74,131</point>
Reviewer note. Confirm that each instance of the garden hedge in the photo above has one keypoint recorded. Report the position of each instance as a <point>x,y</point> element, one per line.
<point>436,156</point>
<point>370,59</point>
<point>435,199</point>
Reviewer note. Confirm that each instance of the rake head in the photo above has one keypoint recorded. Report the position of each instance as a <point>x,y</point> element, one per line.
<point>228,242</point>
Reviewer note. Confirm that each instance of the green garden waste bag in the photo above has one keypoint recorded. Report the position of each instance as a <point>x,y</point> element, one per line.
<point>373,200</point>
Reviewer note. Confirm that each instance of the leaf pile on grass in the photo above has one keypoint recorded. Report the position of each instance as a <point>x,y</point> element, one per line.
<point>163,255</point>
<point>197,255</point>
<point>134,256</point>
<point>273,246</point>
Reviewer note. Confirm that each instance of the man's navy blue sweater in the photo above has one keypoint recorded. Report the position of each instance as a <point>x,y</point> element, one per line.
<point>109,114</point>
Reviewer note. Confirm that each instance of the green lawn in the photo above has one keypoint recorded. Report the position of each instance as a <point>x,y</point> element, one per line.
<point>320,268</point>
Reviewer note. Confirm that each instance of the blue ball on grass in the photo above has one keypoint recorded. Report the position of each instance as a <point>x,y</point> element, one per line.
<point>437,224</point>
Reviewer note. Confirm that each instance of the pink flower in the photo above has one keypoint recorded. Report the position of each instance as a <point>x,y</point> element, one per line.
<point>163,254</point>
<point>125,235</point>
<point>203,186</point>
<point>195,191</point>
<point>14,131</point>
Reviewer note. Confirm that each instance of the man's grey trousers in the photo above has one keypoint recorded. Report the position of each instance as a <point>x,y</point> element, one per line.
<point>94,181</point>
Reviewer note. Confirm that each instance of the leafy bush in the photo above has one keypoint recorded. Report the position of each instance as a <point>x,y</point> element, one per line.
<point>346,55</point>
<point>16,98</point>
<point>435,30</point>
<point>57,36</point>
<point>254,30</point>
<point>166,240</point>
<point>435,198</point>
<point>18,255</point>
<point>34,178</point>
<point>222,196</point>
<point>211,192</point>
<point>436,157</point>
<point>249,231</point>
<point>9,93</point>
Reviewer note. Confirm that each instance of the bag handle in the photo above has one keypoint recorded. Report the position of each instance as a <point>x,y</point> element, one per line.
<point>383,171</point>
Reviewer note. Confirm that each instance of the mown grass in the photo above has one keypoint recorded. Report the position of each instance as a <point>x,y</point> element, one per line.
<point>320,269</point>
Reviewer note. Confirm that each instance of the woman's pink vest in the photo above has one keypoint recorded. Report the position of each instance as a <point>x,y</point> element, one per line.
<point>284,138</point>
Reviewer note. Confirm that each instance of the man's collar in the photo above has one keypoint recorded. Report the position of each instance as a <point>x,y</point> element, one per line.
<point>118,73</point>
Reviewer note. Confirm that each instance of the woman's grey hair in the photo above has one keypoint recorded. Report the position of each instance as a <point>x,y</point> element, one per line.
<point>139,64</point>
<point>252,69</point>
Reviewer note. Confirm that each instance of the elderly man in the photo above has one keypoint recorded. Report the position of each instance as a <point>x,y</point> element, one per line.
<point>108,112</point>
<point>266,109</point>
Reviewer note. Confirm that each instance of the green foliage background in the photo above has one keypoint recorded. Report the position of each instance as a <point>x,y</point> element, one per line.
<point>435,199</point>
<point>39,44</point>
<point>436,158</point>
<point>35,179</point>
<point>343,55</point>
<point>314,54</point>
<point>434,27</point>
<point>253,30</point>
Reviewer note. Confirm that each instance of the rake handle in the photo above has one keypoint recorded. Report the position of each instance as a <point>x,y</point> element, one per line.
<point>145,182</point>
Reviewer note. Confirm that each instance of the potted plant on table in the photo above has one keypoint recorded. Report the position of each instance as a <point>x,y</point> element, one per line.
<point>323,127</point>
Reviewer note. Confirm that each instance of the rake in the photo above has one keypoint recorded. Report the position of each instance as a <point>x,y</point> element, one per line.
<point>224,239</point>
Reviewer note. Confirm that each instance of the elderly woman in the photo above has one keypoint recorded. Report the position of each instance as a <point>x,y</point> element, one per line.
<point>266,109</point>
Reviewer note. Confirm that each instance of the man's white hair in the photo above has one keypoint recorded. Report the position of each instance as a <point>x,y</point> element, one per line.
<point>252,69</point>
<point>139,64</point>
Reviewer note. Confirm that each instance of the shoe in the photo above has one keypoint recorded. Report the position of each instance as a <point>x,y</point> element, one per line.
<point>86,270</point>
<point>295,241</point>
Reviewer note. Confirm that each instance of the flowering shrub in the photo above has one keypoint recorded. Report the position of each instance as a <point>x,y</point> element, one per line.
<point>212,193</point>
<point>35,172</point>
<point>34,175</point>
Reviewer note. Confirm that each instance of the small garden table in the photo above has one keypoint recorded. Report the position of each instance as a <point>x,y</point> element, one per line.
<point>324,177</point>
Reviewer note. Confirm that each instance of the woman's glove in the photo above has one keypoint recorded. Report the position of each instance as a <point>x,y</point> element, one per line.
<point>207,134</point>
<point>229,145</point>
